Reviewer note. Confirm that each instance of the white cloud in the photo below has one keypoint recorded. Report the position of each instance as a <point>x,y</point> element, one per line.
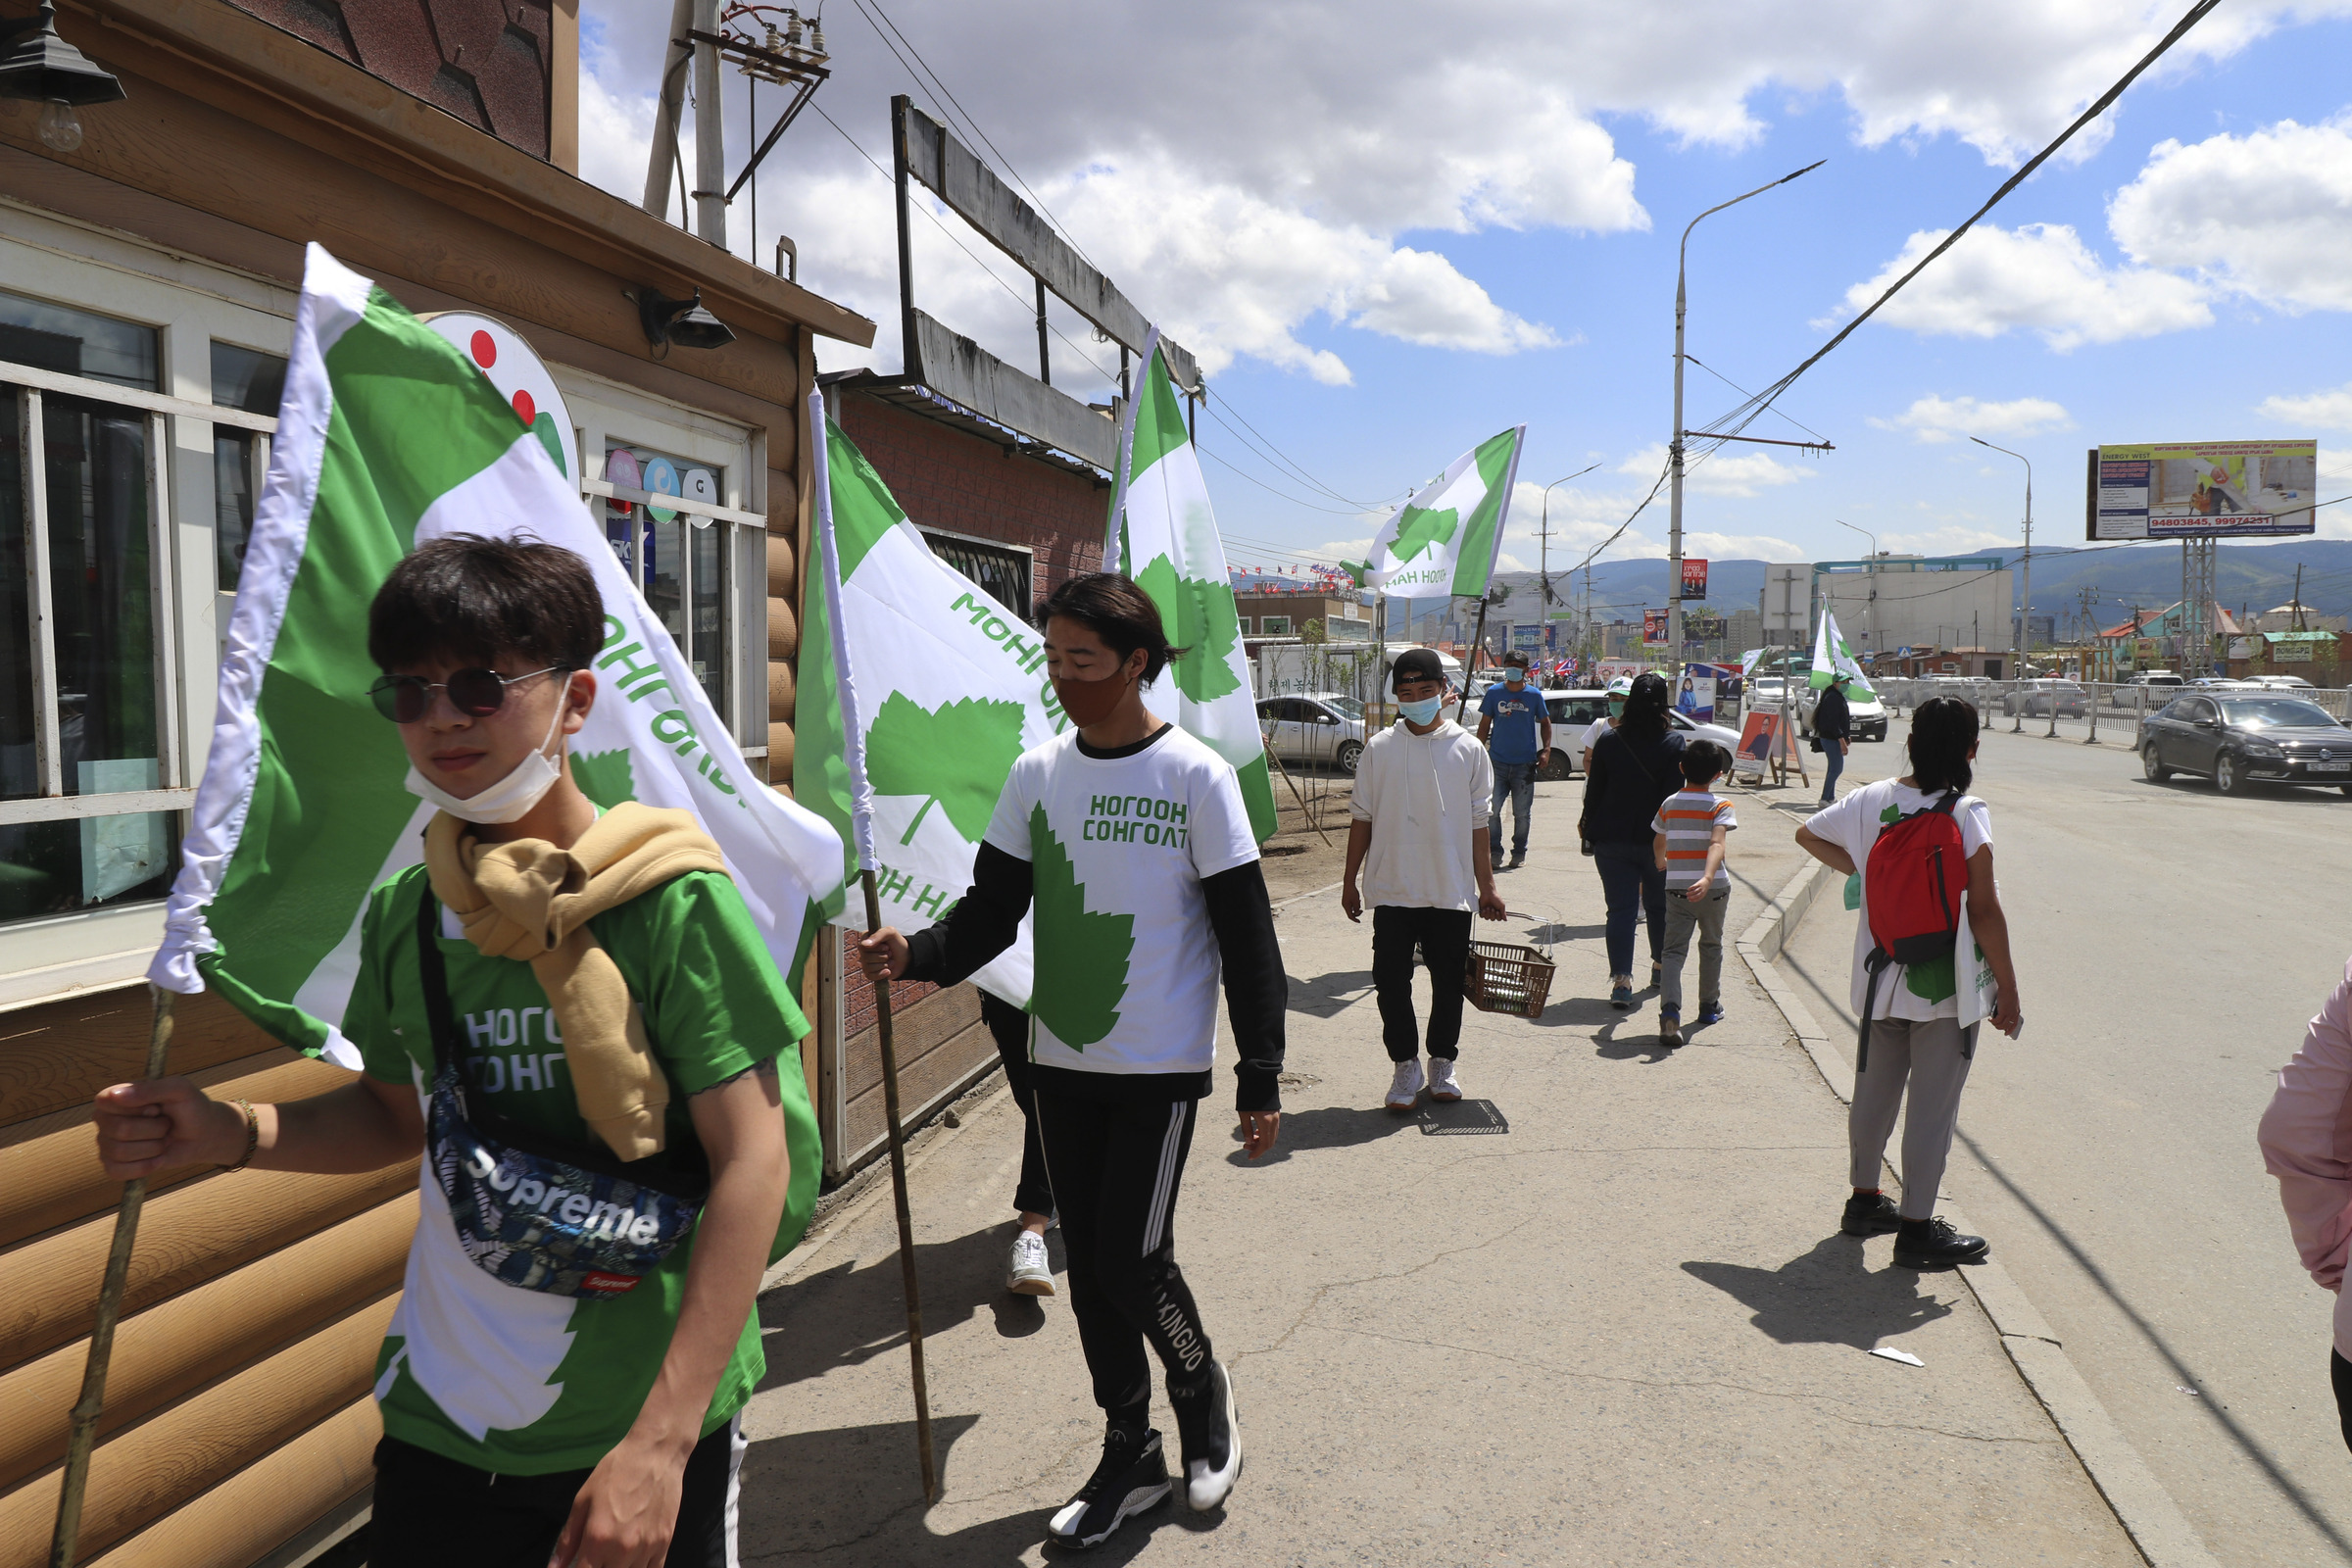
<point>1246,173</point>
<point>1953,539</point>
<point>1934,418</point>
<point>2267,215</point>
<point>1738,547</point>
<point>2039,276</point>
<point>1721,473</point>
<point>2328,410</point>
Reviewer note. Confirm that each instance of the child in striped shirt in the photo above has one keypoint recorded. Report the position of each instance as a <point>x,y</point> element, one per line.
<point>1691,827</point>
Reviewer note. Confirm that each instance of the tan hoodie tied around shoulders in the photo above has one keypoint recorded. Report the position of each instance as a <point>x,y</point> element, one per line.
<point>529,901</point>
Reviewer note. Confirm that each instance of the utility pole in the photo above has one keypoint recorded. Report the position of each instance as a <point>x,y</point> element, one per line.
<point>2299,596</point>
<point>1674,449</point>
<point>663,156</point>
<point>709,132</point>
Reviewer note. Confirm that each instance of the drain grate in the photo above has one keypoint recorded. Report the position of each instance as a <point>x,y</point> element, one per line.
<point>1462,1117</point>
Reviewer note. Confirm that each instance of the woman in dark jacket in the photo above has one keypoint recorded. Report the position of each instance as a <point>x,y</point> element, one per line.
<point>1634,768</point>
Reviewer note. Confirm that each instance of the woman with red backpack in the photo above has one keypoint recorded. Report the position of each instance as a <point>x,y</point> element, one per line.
<point>1931,964</point>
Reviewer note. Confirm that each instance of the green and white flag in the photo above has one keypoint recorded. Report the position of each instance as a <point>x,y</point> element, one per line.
<point>1443,542</point>
<point>1831,654</point>
<point>390,436</point>
<point>918,692</point>
<point>1165,535</point>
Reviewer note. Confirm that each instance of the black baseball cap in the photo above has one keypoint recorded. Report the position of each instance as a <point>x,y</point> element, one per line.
<point>1416,663</point>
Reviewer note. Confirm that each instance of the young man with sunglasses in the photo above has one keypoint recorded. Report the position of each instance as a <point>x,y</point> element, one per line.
<point>603,993</point>
<point>1131,839</point>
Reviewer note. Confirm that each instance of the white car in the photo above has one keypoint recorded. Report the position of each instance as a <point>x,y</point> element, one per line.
<point>1869,714</point>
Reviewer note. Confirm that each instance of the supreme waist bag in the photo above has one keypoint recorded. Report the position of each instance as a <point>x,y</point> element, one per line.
<point>1912,884</point>
<point>566,1221</point>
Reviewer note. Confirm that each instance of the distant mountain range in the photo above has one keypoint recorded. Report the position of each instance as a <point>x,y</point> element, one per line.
<point>2246,577</point>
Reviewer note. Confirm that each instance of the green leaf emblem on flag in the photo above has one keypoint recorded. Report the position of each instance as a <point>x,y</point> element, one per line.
<point>1420,528</point>
<point>1201,619</point>
<point>1081,956</point>
<point>955,757</point>
<point>604,777</point>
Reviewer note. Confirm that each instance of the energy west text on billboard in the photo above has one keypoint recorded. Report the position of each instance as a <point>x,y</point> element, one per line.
<point>2202,489</point>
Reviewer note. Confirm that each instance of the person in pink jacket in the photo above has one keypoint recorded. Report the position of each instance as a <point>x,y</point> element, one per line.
<point>2307,1144</point>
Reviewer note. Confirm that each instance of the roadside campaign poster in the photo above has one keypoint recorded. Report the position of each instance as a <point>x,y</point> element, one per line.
<point>1654,628</point>
<point>1700,689</point>
<point>1763,743</point>
<point>1606,670</point>
<point>2203,490</point>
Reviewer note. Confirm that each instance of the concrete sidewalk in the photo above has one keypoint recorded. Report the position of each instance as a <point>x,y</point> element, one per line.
<point>1626,1330</point>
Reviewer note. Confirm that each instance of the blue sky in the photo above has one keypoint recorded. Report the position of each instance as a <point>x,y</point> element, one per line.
<point>1381,266</point>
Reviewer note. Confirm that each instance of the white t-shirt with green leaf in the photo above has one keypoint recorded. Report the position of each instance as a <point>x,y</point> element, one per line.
<point>1127,965</point>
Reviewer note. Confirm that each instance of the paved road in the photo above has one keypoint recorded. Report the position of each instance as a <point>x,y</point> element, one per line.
<point>1624,1331</point>
<point>2172,946</point>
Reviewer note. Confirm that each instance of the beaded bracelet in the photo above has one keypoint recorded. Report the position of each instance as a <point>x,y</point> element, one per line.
<point>253,1135</point>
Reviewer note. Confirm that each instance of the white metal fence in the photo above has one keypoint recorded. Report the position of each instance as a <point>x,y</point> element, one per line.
<point>2117,706</point>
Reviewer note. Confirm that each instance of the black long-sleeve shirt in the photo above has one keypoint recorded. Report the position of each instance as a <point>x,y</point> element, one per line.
<point>1240,917</point>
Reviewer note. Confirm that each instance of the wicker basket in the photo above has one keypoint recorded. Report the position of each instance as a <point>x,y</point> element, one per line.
<point>1503,978</point>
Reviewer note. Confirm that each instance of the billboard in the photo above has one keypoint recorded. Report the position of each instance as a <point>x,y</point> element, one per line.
<point>1694,579</point>
<point>2202,490</point>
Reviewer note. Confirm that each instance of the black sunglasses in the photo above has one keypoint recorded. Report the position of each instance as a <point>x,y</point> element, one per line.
<point>475,692</point>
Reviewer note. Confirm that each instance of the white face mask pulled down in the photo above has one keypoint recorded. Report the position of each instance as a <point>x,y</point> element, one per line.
<point>525,785</point>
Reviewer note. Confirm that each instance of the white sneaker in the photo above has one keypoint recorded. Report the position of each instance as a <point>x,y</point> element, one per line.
<point>1443,1086</point>
<point>1028,1273</point>
<point>1406,1086</point>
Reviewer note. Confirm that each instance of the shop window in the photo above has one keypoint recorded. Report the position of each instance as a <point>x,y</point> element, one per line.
<point>83,727</point>
<point>250,381</point>
<point>678,557</point>
<point>71,342</point>
<point>1002,570</point>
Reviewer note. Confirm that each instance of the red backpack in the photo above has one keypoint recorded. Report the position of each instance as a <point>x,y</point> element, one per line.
<point>1912,885</point>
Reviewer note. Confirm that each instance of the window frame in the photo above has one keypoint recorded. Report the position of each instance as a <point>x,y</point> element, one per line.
<point>606,413</point>
<point>189,306</point>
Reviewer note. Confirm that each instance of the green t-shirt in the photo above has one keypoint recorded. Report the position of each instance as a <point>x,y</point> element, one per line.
<point>523,1382</point>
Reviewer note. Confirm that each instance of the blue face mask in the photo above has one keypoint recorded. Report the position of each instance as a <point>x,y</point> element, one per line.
<point>1423,711</point>
<point>1514,677</point>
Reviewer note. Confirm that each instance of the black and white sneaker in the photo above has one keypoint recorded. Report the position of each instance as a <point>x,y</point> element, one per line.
<point>1132,1478</point>
<point>1212,1439</point>
<point>1934,1244</point>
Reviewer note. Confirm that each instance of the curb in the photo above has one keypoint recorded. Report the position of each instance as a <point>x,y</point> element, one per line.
<point>2159,1529</point>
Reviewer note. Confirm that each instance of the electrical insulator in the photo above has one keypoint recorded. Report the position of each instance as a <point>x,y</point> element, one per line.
<point>772,44</point>
<point>817,38</point>
<point>792,30</point>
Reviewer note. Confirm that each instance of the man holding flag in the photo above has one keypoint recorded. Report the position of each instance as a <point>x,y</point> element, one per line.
<point>1132,841</point>
<point>559,952</point>
<point>560,1421</point>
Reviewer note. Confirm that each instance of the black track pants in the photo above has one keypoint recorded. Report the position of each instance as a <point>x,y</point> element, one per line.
<point>1444,938</point>
<point>1008,1026</point>
<point>1116,1170</point>
<point>432,1513</point>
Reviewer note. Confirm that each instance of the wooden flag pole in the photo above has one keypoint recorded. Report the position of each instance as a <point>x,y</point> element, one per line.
<point>110,1307</point>
<point>898,1183</point>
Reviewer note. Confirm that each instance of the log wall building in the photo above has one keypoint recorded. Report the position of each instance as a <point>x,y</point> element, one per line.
<point>148,280</point>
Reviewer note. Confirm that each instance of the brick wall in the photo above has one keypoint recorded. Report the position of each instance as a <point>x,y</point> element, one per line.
<point>966,484</point>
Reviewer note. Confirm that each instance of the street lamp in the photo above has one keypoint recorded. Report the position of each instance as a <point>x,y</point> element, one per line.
<point>1870,571</point>
<point>1674,450</point>
<point>1543,532</point>
<point>2025,587</point>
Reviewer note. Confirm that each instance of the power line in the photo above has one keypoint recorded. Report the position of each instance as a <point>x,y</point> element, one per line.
<point>1741,417</point>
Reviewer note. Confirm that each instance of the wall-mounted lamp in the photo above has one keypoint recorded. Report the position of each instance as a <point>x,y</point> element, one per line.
<point>41,68</point>
<point>682,322</point>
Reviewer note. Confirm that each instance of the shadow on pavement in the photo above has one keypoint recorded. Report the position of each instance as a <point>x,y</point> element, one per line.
<point>1328,1127</point>
<point>854,1494</point>
<point>1327,995</point>
<point>847,1315</point>
<point>2332,794</point>
<point>1830,1295</point>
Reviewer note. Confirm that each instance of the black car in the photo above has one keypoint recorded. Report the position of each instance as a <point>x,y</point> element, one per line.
<point>2236,740</point>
